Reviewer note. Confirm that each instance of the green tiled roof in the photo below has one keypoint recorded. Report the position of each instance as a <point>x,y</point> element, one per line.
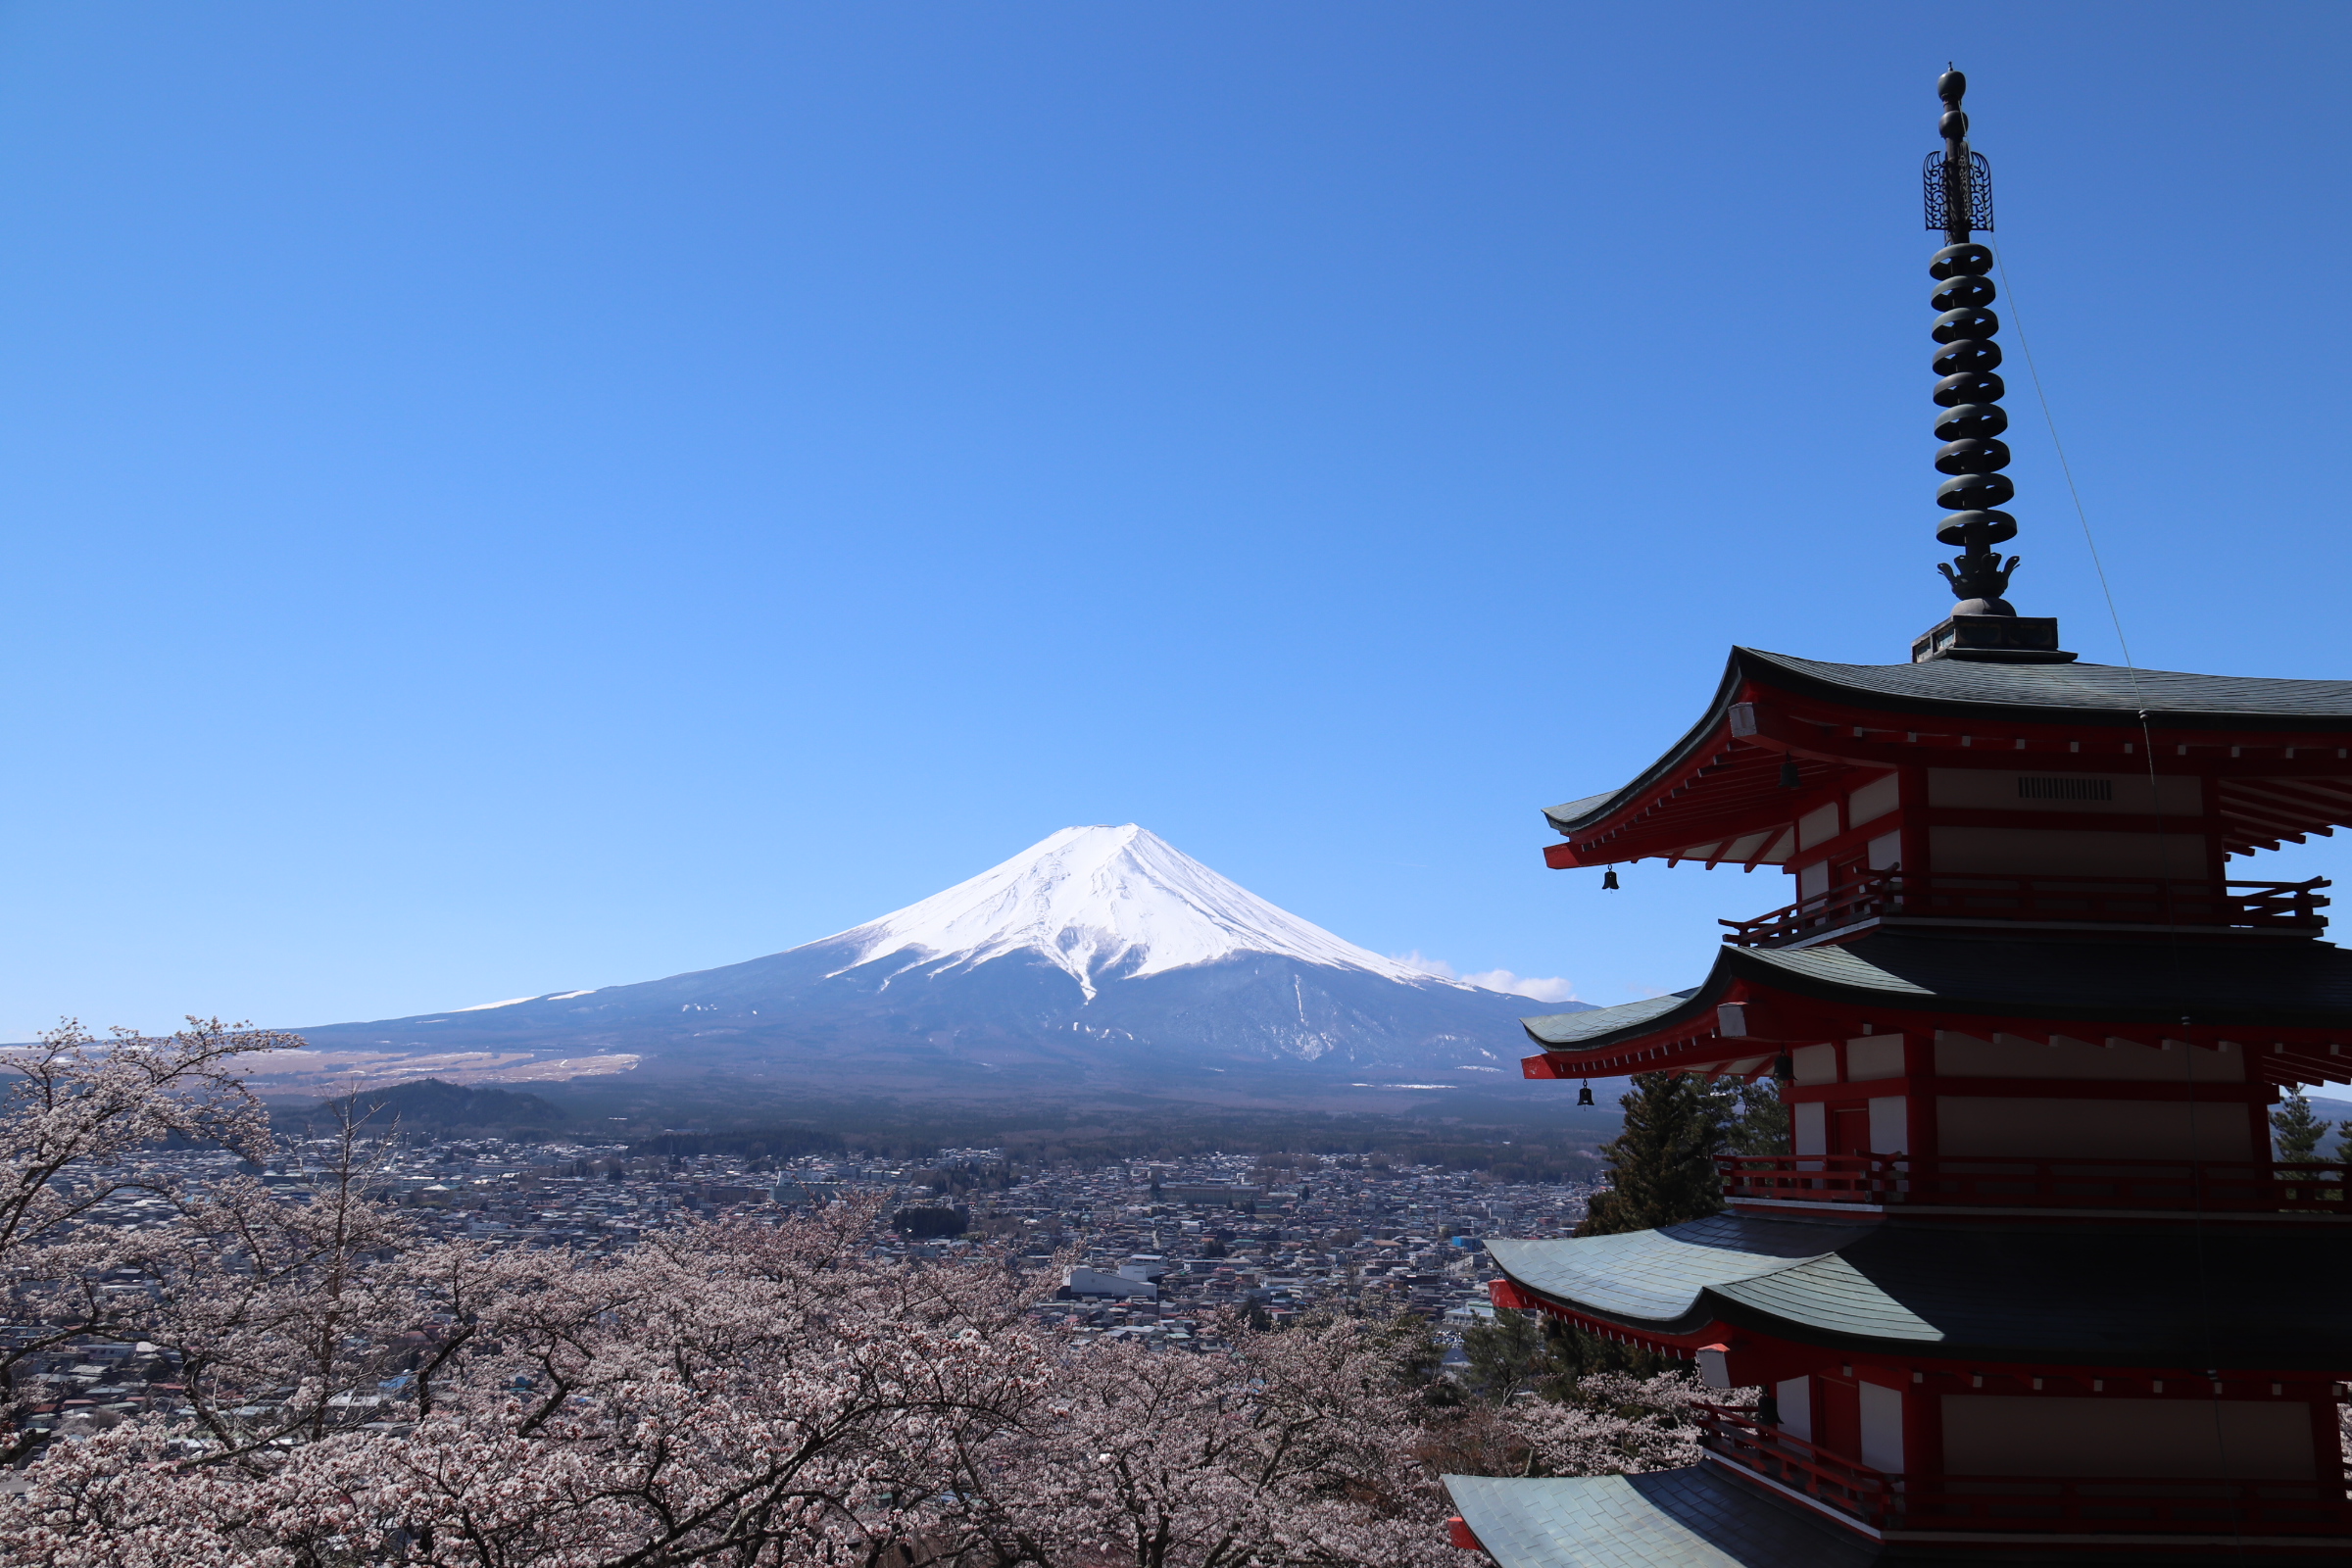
<point>2125,1295</point>
<point>1570,1028</point>
<point>1657,1276</point>
<point>1702,1517</point>
<point>2224,982</point>
<point>2112,691</point>
<point>2025,694</point>
<point>2216,981</point>
<point>1693,1518</point>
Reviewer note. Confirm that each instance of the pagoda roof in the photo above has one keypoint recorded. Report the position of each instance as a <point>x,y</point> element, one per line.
<point>1595,1027</point>
<point>1702,1516</point>
<point>1719,792</point>
<point>2104,1296</point>
<point>2234,988</point>
<point>1694,1517</point>
<point>2096,693</point>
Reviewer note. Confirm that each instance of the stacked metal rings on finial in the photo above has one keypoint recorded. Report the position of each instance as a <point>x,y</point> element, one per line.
<point>1966,355</point>
<point>1970,395</point>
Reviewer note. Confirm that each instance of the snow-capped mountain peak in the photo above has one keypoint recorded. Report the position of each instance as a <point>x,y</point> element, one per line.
<point>1184,985</point>
<point>1093,898</point>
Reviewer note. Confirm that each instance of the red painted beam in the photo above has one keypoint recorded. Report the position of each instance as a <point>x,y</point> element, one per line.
<point>1510,1298</point>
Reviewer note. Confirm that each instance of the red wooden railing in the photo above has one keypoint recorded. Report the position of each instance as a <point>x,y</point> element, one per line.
<point>2243,1187</point>
<point>1796,1463</point>
<point>2040,1505</point>
<point>2097,900</point>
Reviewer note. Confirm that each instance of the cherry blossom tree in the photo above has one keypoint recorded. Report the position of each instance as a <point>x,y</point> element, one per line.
<point>740,1392</point>
<point>1616,1424</point>
<point>285,1314</point>
<point>78,1120</point>
<point>1294,1447</point>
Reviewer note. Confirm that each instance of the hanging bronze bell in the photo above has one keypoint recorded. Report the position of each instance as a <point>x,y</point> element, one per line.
<point>1608,880</point>
<point>1584,1096</point>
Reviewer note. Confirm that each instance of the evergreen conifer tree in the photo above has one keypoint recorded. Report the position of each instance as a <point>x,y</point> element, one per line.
<point>1759,1121</point>
<point>1515,1351</point>
<point>1664,1161</point>
<point>2296,1130</point>
<point>1506,1354</point>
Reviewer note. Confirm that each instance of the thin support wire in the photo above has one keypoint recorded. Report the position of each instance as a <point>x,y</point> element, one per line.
<point>2025,347</point>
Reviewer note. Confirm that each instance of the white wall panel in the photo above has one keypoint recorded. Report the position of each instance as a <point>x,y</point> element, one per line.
<point>1809,1128</point>
<point>2090,1129</point>
<point>1891,1125</point>
<point>1883,1428</point>
<point>2056,852</point>
<point>2008,1056</point>
<point>1873,800</point>
<point>1874,1056</point>
<point>2021,1434</point>
<point>1795,1398</point>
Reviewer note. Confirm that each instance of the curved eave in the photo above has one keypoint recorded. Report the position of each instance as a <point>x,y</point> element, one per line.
<point>1721,782</point>
<point>2288,1003</point>
<point>2103,695</point>
<point>1694,1517</point>
<point>1712,1313</point>
<point>1666,1283</point>
<point>1576,816</point>
<point>2005,1294</point>
<point>1654,1021</point>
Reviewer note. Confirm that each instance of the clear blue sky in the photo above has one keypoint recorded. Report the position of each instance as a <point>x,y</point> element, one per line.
<point>503,497</point>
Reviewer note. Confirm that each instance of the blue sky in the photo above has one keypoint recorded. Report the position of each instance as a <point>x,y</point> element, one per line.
<point>502,498</point>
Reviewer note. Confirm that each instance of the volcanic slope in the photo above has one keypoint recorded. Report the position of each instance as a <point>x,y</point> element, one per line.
<point>1103,956</point>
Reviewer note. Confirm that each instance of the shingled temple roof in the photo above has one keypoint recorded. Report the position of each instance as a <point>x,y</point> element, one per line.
<point>2109,693</point>
<point>2224,985</point>
<point>2085,1295</point>
<point>1690,1518</point>
<point>1728,766</point>
<point>1701,1517</point>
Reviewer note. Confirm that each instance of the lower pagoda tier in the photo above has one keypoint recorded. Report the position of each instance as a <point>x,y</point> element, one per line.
<point>1707,1517</point>
<point>2287,1000</point>
<point>2257,1302</point>
<point>1933,1389</point>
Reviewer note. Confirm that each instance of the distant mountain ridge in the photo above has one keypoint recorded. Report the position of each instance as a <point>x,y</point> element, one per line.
<point>1101,956</point>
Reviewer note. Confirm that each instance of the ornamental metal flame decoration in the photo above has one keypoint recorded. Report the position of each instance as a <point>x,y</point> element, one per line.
<point>1969,393</point>
<point>1964,187</point>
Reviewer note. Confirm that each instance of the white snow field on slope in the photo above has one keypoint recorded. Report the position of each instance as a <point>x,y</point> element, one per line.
<point>1090,898</point>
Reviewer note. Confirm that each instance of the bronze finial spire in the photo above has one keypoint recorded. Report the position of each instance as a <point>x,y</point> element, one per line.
<point>1959,201</point>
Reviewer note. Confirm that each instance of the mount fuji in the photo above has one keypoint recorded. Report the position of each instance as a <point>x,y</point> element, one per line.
<point>1101,958</point>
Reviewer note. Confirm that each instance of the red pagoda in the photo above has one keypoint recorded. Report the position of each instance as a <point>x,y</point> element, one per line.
<point>2030,1287</point>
